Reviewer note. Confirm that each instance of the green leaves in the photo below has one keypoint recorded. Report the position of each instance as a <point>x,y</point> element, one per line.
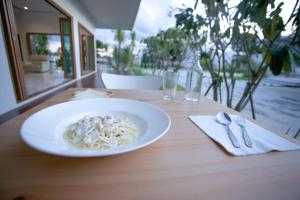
<point>279,58</point>
<point>287,63</point>
<point>278,23</point>
<point>277,11</point>
<point>200,20</point>
<point>245,23</point>
<point>185,16</point>
<point>189,23</point>
<point>257,11</point>
<point>204,55</point>
<point>268,30</point>
<point>216,27</point>
<point>205,60</point>
<point>101,45</point>
<point>166,46</point>
<point>40,44</point>
<point>272,26</point>
<point>119,37</point>
<point>122,56</point>
<point>227,33</point>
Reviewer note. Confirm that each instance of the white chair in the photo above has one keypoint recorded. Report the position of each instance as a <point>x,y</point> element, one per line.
<point>115,81</point>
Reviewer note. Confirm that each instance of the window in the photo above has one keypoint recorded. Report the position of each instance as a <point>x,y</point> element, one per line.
<point>42,56</point>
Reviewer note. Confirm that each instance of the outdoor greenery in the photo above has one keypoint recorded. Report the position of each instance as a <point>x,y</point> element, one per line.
<point>101,45</point>
<point>165,50</point>
<point>227,37</point>
<point>250,28</point>
<point>40,42</point>
<point>137,71</point>
<point>122,54</point>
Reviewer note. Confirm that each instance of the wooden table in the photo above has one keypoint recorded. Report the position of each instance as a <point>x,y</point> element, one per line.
<point>184,164</point>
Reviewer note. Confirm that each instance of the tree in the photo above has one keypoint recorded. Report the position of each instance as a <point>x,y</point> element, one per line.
<point>119,37</point>
<point>246,24</point>
<point>197,31</point>
<point>41,44</point>
<point>131,47</point>
<point>132,42</point>
<point>101,45</point>
<point>122,55</point>
<point>150,57</point>
<point>165,50</point>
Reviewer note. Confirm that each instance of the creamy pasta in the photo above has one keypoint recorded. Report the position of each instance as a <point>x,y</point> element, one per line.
<point>101,132</point>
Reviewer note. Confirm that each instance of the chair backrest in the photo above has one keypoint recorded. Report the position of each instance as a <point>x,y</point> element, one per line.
<point>115,81</point>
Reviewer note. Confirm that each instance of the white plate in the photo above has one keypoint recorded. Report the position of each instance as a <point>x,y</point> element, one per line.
<point>44,129</point>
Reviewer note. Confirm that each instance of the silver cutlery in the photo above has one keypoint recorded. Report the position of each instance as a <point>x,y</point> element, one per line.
<point>242,123</point>
<point>224,119</point>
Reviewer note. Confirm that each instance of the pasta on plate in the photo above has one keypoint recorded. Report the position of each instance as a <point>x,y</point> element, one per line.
<point>101,132</point>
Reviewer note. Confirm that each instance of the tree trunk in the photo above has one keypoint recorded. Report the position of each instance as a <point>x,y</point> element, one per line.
<point>215,92</point>
<point>225,79</point>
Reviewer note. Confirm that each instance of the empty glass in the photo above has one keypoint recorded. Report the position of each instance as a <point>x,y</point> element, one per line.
<point>170,81</point>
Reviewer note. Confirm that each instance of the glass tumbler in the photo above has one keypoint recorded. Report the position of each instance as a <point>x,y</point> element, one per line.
<point>170,81</point>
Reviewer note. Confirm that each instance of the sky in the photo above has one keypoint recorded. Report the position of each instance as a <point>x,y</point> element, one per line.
<point>156,15</point>
<point>153,15</point>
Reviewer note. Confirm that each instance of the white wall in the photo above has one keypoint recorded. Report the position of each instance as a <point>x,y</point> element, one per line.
<point>7,94</point>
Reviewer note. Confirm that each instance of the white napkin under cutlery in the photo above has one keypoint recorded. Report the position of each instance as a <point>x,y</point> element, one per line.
<point>263,140</point>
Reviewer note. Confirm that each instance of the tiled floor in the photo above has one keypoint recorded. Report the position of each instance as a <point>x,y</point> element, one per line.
<point>37,82</point>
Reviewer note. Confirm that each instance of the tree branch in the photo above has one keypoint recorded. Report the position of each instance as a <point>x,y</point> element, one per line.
<point>261,70</point>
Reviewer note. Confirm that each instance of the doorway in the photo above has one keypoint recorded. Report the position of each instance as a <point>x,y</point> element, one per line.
<point>39,38</point>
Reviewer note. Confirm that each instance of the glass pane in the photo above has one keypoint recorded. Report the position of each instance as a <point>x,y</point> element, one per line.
<point>91,54</point>
<point>66,47</point>
<point>87,50</point>
<point>45,50</point>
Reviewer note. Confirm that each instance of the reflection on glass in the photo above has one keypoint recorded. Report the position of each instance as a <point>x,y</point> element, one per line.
<point>45,47</point>
<point>66,46</point>
<point>88,53</point>
<point>87,50</point>
<point>39,44</point>
<point>48,45</point>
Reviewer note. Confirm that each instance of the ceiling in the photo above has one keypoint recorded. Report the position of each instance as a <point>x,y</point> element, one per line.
<point>34,6</point>
<point>112,14</point>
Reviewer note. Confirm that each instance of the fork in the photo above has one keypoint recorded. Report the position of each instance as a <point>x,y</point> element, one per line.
<point>242,123</point>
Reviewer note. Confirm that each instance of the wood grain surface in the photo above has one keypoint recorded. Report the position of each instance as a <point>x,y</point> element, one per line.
<point>184,164</point>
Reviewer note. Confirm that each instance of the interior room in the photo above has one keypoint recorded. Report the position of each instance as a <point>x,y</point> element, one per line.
<point>45,45</point>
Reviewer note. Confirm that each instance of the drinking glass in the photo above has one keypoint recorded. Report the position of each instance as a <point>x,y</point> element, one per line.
<point>170,81</point>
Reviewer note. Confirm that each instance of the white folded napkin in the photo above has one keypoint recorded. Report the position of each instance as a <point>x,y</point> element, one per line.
<point>89,94</point>
<point>263,140</point>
